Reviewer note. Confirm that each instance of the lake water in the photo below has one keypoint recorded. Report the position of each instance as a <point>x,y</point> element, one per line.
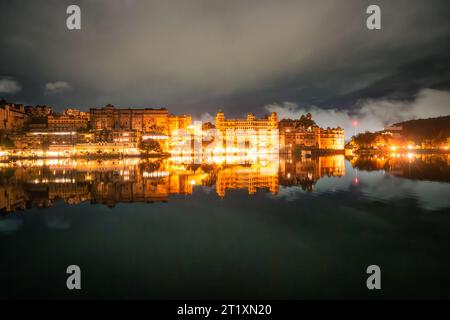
<point>298,228</point>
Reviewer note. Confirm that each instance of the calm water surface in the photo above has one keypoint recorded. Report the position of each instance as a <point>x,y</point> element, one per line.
<point>300,228</point>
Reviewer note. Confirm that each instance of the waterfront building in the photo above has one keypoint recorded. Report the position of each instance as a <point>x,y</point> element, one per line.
<point>107,142</point>
<point>126,136</point>
<point>106,149</point>
<point>332,139</point>
<point>42,139</point>
<point>146,120</point>
<point>250,133</point>
<point>305,133</point>
<point>143,120</point>
<point>300,137</point>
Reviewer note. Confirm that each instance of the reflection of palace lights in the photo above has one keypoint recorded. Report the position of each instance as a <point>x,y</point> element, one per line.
<point>155,179</point>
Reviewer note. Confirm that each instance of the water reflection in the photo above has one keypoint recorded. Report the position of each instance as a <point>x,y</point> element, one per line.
<point>39,183</point>
<point>411,166</point>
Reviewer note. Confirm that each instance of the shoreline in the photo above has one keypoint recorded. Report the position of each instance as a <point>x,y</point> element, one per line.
<point>93,157</point>
<point>299,152</point>
<point>415,151</point>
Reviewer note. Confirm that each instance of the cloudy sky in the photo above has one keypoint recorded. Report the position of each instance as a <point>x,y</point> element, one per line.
<point>248,55</point>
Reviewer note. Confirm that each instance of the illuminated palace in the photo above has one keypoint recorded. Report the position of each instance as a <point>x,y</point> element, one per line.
<point>12,116</point>
<point>264,131</point>
<point>250,123</point>
<point>36,131</point>
<point>27,131</point>
<point>141,120</point>
<point>305,133</point>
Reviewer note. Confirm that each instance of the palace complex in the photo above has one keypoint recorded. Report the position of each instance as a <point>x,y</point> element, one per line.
<point>38,131</point>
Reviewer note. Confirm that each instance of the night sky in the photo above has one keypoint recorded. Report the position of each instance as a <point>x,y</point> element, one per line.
<point>198,57</point>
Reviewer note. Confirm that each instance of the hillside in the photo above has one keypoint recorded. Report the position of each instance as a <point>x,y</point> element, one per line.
<point>432,128</point>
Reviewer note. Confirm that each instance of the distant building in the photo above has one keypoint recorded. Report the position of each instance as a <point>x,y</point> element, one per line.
<point>12,116</point>
<point>38,111</point>
<point>394,131</point>
<point>75,113</point>
<point>142,120</point>
<point>68,121</point>
<point>332,139</point>
<point>305,133</point>
<point>300,137</point>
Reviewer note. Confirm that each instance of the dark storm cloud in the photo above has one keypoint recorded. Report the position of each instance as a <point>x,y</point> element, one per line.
<point>198,56</point>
